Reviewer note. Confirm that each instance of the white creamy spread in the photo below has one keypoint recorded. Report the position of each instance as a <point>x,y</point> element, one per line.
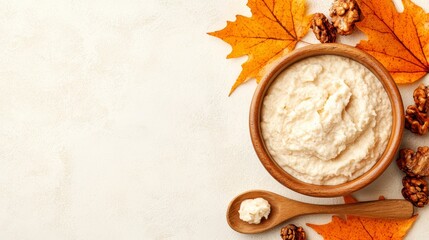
<point>253,210</point>
<point>326,120</point>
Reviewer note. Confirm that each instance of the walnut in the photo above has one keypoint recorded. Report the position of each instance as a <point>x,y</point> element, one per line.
<point>292,232</point>
<point>421,95</point>
<point>325,32</point>
<point>415,190</point>
<point>344,14</point>
<point>416,117</point>
<point>414,164</point>
<point>416,121</point>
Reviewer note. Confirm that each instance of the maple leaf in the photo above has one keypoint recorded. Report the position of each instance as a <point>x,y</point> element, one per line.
<point>400,41</point>
<point>361,228</point>
<point>274,29</point>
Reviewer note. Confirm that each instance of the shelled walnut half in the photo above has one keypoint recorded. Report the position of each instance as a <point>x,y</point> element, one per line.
<point>414,163</point>
<point>416,116</point>
<point>324,31</point>
<point>415,190</point>
<point>344,14</point>
<point>421,95</point>
<point>292,232</point>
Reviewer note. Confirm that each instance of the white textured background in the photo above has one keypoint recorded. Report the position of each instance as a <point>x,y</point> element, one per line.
<point>115,123</point>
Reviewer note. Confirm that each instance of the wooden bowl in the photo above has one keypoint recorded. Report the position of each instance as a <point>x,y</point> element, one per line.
<point>327,190</point>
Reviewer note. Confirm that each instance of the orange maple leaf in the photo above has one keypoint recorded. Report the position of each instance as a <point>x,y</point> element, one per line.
<point>273,31</point>
<point>361,228</point>
<point>400,41</point>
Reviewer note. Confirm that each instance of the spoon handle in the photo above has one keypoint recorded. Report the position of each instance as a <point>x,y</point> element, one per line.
<point>376,209</point>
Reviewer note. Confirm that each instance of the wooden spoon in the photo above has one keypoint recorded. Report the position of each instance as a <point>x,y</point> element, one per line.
<point>283,209</point>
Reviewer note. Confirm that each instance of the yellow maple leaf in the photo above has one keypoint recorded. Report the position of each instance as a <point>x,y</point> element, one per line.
<point>272,31</point>
<point>361,228</point>
<point>400,41</point>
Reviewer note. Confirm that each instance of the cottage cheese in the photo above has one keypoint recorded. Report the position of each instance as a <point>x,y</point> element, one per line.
<point>253,210</point>
<point>326,120</point>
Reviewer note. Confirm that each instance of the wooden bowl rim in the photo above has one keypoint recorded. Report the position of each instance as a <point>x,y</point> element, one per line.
<point>383,162</point>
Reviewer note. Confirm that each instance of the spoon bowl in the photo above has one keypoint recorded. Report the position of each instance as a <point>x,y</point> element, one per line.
<point>283,209</point>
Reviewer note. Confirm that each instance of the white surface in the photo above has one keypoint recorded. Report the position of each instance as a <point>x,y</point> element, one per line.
<point>115,123</point>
